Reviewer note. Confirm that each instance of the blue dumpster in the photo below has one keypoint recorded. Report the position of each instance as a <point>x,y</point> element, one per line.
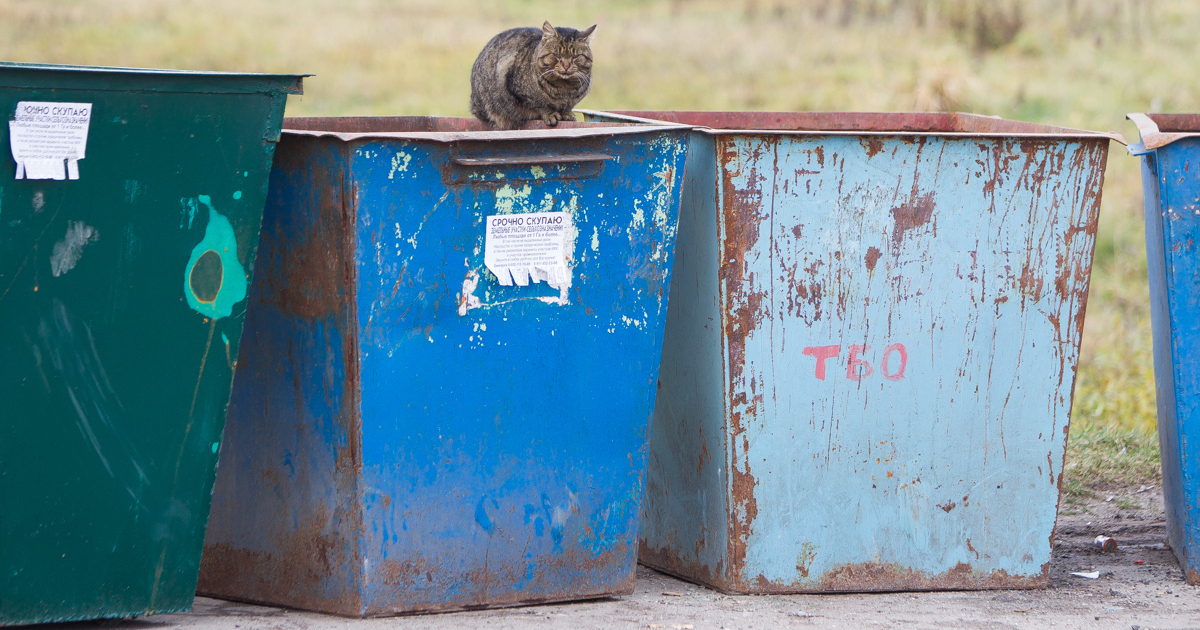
<point>870,350</point>
<point>1170,143</point>
<point>444,390</point>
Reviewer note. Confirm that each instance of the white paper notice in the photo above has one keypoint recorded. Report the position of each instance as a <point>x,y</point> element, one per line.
<point>523,247</point>
<point>49,139</point>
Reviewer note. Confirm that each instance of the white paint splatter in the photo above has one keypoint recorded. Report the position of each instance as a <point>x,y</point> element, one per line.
<point>412,240</point>
<point>538,172</point>
<point>595,239</point>
<point>399,163</point>
<point>68,251</point>
<point>639,217</point>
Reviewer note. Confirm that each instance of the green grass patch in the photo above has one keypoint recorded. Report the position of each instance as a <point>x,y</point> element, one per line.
<point>1106,457</point>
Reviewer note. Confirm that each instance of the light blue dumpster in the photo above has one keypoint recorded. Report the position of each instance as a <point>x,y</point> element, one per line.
<point>1171,185</point>
<point>444,392</point>
<point>870,350</point>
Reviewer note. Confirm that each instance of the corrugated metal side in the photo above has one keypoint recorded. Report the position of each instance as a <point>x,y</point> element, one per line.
<point>285,526</point>
<point>945,281</point>
<point>684,524</point>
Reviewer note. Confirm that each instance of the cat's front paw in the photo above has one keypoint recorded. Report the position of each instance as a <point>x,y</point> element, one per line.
<point>551,119</point>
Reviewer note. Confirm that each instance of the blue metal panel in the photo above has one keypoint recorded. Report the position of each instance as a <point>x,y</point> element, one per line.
<point>496,437</point>
<point>958,268</point>
<point>285,524</point>
<point>1172,205</point>
<point>686,506</point>
<point>900,322</point>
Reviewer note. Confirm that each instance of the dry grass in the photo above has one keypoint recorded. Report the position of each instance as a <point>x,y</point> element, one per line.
<point>1079,63</point>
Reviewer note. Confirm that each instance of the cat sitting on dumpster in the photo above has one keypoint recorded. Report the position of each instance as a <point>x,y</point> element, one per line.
<point>524,74</point>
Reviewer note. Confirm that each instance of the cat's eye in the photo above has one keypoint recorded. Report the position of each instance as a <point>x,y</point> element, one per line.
<point>549,60</point>
<point>581,59</point>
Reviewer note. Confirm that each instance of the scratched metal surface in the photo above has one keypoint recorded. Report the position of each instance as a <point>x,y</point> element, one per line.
<point>892,324</point>
<point>116,342</point>
<point>1172,212</point>
<point>400,440</point>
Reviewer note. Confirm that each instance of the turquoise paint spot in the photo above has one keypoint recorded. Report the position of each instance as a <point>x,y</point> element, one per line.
<point>216,445</point>
<point>214,280</point>
<point>225,339</point>
<point>246,174</point>
<point>237,194</point>
<point>189,210</point>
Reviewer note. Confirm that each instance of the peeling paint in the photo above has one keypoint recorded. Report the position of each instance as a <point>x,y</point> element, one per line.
<point>377,303</point>
<point>69,249</point>
<point>877,248</point>
<point>399,163</point>
<point>467,299</point>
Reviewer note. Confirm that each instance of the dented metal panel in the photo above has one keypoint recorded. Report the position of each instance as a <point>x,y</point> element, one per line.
<point>406,434</point>
<point>898,317</point>
<point>1170,143</point>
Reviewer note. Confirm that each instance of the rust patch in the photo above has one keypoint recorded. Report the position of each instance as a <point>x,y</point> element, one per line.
<point>872,257</point>
<point>668,561</point>
<point>306,273</point>
<point>297,576</point>
<point>912,214</point>
<point>877,576</point>
<point>946,507</point>
<point>1029,284</point>
<point>741,214</point>
<point>395,582</point>
<point>873,145</point>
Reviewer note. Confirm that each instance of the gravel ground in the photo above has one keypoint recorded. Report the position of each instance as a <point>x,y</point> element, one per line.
<point>1140,587</point>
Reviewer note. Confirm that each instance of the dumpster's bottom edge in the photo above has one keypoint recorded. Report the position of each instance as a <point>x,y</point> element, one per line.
<point>432,610</point>
<point>993,581</point>
<point>123,614</point>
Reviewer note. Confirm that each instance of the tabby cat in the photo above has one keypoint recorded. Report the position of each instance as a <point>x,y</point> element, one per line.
<point>525,74</point>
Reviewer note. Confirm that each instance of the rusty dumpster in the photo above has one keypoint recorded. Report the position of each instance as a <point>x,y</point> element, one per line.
<point>444,395</point>
<point>1169,144</point>
<point>870,350</point>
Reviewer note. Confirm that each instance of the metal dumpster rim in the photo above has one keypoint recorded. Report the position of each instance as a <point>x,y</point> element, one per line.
<point>66,67</point>
<point>1051,133</point>
<point>493,136</point>
<point>1152,136</point>
<point>247,82</point>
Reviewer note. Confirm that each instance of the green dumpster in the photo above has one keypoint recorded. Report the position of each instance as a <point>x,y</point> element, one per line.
<point>130,205</point>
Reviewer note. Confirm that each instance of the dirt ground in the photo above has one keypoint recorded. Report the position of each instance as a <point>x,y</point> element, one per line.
<point>1140,587</point>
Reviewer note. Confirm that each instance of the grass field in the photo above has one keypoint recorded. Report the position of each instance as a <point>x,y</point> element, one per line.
<point>1078,63</point>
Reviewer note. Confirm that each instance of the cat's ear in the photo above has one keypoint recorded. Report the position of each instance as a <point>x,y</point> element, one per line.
<point>587,33</point>
<point>548,31</point>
